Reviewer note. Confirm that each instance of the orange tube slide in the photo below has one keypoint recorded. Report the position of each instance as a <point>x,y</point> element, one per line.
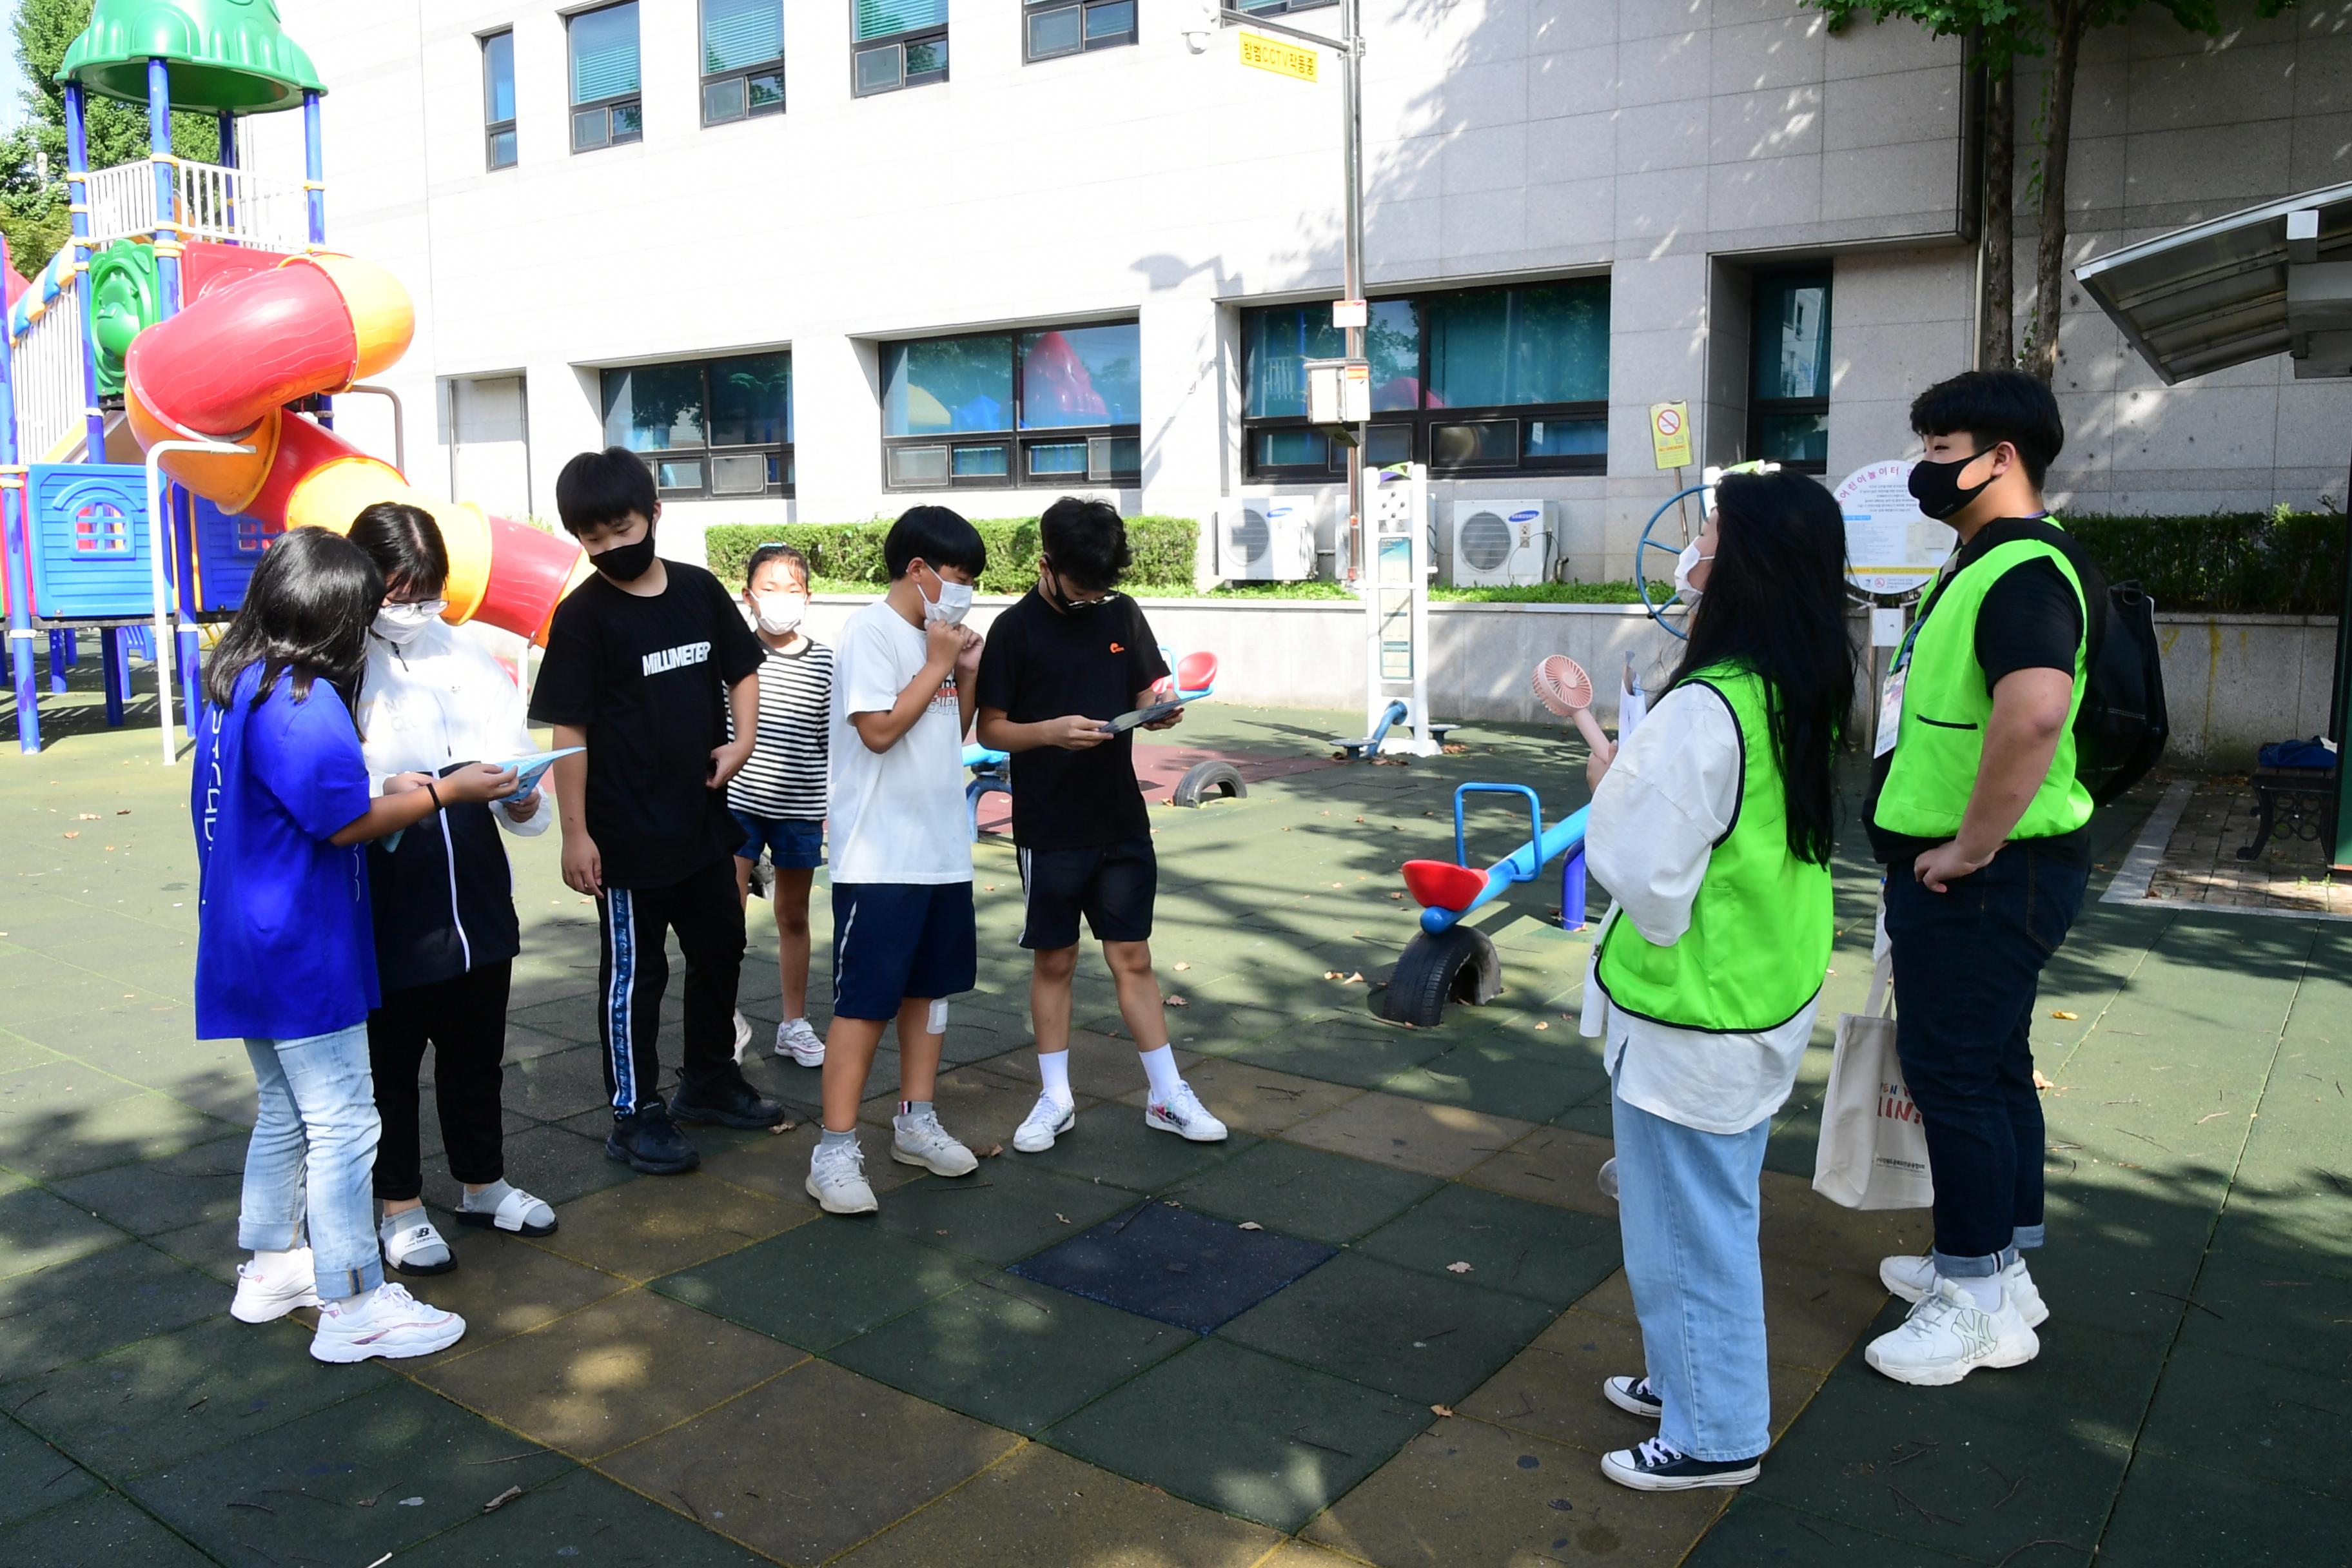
<point>224,369</point>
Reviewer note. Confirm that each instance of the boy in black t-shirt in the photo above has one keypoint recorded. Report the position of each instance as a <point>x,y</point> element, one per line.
<point>1069,656</point>
<point>643,662</point>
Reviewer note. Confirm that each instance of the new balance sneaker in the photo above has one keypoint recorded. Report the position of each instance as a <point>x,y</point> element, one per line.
<point>386,1321</point>
<point>411,1244</point>
<point>1048,1120</point>
<point>836,1179</point>
<point>727,1100</point>
<point>1633,1395</point>
<point>1183,1114</point>
<point>796,1039</point>
<point>1655,1467</point>
<point>267,1289</point>
<point>648,1140</point>
<point>1948,1336</point>
<point>1912,1278</point>
<point>917,1139</point>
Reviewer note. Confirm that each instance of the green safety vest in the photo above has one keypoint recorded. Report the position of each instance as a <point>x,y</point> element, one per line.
<point>1759,942</point>
<point>1939,742</point>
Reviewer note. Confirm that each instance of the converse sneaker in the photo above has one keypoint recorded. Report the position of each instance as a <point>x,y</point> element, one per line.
<point>268,1289</point>
<point>836,1179</point>
<point>1048,1120</point>
<point>1948,1336</point>
<point>917,1139</point>
<point>1633,1395</point>
<point>411,1244</point>
<point>1657,1467</point>
<point>1183,1114</point>
<point>647,1140</point>
<point>1912,1278</point>
<point>386,1321</point>
<point>796,1039</point>
<point>727,1100</point>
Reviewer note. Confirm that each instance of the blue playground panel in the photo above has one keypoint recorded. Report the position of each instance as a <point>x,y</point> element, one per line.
<point>88,536</point>
<point>227,548</point>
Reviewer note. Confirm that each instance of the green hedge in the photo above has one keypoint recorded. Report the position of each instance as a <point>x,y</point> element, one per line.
<point>2252,563</point>
<point>849,555</point>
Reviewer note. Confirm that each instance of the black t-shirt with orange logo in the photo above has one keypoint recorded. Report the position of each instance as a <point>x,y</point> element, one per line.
<point>1044,663</point>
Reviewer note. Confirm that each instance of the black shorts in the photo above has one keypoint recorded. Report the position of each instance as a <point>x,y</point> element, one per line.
<point>1113,885</point>
<point>892,941</point>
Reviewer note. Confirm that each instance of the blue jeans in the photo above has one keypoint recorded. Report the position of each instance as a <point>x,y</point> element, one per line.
<point>1687,1204</point>
<point>316,1130</point>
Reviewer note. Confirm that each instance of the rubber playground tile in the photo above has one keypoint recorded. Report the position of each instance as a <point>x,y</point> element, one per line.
<point>582,1520</point>
<point>610,1373</point>
<point>777,1165</point>
<point>511,1123</point>
<point>548,1161</point>
<point>1100,1067</point>
<point>1487,1077</point>
<point>1800,1223</point>
<point>39,1229</point>
<point>2226,1412</point>
<point>557,1085</point>
<point>1755,1532</point>
<point>1413,1134</point>
<point>1304,1192</point>
<point>641,1230</point>
<point>823,1283</point>
<point>1251,1098</point>
<point>1553,1388</point>
<point>976,1105</point>
<point>1549,1255</point>
<point>575,1017</point>
<point>1007,1210</point>
<point>809,1465</point>
<point>1222,1424</point>
<point>1550,1166</point>
<point>1010,1352</point>
<point>17,1053</point>
<point>34,1477</point>
<point>2171,1512</point>
<point>504,1286</point>
<point>2288,1317</point>
<point>1111,1144</point>
<point>99,1528</point>
<point>152,1196</point>
<point>93,1304</point>
<point>334,1485</point>
<point>1163,1262</point>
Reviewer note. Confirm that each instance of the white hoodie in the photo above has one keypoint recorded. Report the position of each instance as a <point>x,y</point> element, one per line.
<point>440,699</point>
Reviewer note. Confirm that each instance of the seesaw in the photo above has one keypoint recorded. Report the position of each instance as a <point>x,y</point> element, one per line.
<point>1393,715</point>
<point>1195,678</point>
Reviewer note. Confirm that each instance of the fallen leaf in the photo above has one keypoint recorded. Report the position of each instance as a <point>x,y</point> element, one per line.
<point>1252,1224</point>
<point>1396,894</point>
<point>126,811</point>
<point>1457,1268</point>
<point>501,1500</point>
<point>86,816</point>
<point>1062,1218</point>
<point>990,888</point>
<point>1327,974</point>
<point>2041,1083</point>
<point>109,848</point>
<point>411,1502</point>
<point>1177,1002</point>
<point>1355,979</point>
<point>1441,1411</point>
<point>1543,1025</point>
<point>1336,884</point>
<point>73,835</point>
<point>1182,967</point>
<point>780,1128</point>
<point>989,1150</point>
<point>2062,1013</point>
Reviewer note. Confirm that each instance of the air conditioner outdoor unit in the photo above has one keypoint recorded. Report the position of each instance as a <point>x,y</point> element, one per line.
<point>1501,543</point>
<point>1264,538</point>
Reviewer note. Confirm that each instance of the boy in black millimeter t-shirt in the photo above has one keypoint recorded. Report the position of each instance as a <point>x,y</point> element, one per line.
<point>1071,654</point>
<point>643,662</point>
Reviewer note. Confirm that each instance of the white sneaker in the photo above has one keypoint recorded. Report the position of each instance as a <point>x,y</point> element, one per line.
<point>795,1039</point>
<point>742,1036</point>
<point>1607,1177</point>
<point>387,1321</point>
<point>1912,1278</point>
<point>836,1179</point>
<point>920,1140</point>
<point>1948,1336</point>
<point>1046,1121</point>
<point>266,1294</point>
<point>1184,1115</point>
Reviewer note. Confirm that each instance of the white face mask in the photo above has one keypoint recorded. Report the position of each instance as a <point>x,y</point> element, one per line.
<point>1685,565</point>
<point>401,624</point>
<point>949,607</point>
<point>779,614</point>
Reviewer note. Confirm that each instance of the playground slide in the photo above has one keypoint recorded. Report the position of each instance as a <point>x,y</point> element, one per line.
<point>225,368</point>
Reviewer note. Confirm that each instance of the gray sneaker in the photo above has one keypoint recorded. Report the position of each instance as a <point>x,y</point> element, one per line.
<point>836,1179</point>
<point>917,1139</point>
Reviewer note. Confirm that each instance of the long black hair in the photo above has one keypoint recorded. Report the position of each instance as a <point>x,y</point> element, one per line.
<point>404,542</point>
<point>1775,604</point>
<point>307,613</point>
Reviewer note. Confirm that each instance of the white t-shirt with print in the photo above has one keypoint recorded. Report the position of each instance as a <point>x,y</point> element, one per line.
<point>897,816</point>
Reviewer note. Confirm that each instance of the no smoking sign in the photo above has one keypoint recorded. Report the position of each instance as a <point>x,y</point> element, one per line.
<point>1670,433</point>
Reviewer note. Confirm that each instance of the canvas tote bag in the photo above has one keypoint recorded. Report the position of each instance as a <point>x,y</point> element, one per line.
<point>1872,1152</point>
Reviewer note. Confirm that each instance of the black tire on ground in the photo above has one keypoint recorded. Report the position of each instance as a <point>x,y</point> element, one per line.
<point>1457,965</point>
<point>1222,778</point>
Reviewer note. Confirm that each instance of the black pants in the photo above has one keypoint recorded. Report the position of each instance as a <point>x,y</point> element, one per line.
<point>1967,962</point>
<point>463,1019</point>
<point>635,972</point>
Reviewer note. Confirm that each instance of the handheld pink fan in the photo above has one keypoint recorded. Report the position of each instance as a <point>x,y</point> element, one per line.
<point>1563,686</point>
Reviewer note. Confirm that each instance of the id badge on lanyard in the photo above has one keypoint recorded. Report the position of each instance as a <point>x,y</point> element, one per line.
<point>1890,697</point>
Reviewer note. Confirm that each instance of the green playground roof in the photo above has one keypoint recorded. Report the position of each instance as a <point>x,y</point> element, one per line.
<point>227,55</point>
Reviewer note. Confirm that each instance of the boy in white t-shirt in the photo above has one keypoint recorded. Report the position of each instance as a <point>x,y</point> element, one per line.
<point>903,937</point>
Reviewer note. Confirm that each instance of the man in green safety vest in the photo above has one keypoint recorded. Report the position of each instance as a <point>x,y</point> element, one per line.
<point>1982,824</point>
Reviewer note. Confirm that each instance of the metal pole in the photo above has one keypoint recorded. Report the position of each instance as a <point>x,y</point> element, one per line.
<point>167,168</point>
<point>1351,253</point>
<point>77,208</point>
<point>164,616</point>
<point>314,200</point>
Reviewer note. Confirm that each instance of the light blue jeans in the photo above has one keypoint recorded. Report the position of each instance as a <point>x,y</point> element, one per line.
<point>1687,1204</point>
<point>316,1130</point>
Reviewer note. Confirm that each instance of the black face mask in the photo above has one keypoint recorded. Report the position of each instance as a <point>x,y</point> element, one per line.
<point>1937,487</point>
<point>1062,594</point>
<point>626,562</point>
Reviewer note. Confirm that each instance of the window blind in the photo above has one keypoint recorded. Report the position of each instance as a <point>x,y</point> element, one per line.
<point>739,33</point>
<point>604,53</point>
<point>881,18</point>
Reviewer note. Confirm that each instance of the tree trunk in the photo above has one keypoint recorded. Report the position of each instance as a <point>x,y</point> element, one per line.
<point>2050,254</point>
<point>1996,345</point>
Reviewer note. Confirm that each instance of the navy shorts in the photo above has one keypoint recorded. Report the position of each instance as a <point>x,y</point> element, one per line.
<point>791,845</point>
<point>1113,885</point>
<point>892,941</point>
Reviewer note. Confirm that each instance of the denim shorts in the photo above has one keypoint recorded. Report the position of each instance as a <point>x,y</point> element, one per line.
<point>791,845</point>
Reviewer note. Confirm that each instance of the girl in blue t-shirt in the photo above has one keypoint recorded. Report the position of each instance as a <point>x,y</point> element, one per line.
<point>285,956</point>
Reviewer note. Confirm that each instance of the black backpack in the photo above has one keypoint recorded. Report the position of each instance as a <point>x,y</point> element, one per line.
<point>2121,725</point>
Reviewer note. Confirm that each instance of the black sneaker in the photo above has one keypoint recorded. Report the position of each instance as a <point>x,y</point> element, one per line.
<point>1655,1467</point>
<point>729,1099</point>
<point>1633,1395</point>
<point>649,1141</point>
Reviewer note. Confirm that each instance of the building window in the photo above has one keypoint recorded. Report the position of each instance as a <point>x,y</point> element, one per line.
<point>1057,28</point>
<point>897,42</point>
<point>707,427</point>
<point>1475,382</point>
<point>1278,8</point>
<point>605,108</point>
<point>743,59</point>
<point>1789,389</point>
<point>1052,406</point>
<point>498,98</point>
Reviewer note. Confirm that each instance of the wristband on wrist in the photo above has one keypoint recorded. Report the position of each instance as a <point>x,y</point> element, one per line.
<point>436,793</point>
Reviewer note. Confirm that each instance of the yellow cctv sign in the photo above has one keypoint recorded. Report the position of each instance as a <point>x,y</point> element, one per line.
<point>1282,59</point>
<point>1670,433</point>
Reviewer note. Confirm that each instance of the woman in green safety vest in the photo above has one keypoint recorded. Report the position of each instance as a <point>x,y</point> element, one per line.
<point>1712,829</point>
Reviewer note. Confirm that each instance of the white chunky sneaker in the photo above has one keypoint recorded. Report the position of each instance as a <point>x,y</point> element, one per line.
<point>795,1039</point>
<point>1048,1120</point>
<point>265,1293</point>
<point>1183,1114</point>
<point>919,1140</point>
<point>1948,1336</point>
<point>386,1321</point>
<point>836,1179</point>
<point>1912,1278</point>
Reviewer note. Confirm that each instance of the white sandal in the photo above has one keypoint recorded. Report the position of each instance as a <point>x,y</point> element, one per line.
<point>517,1213</point>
